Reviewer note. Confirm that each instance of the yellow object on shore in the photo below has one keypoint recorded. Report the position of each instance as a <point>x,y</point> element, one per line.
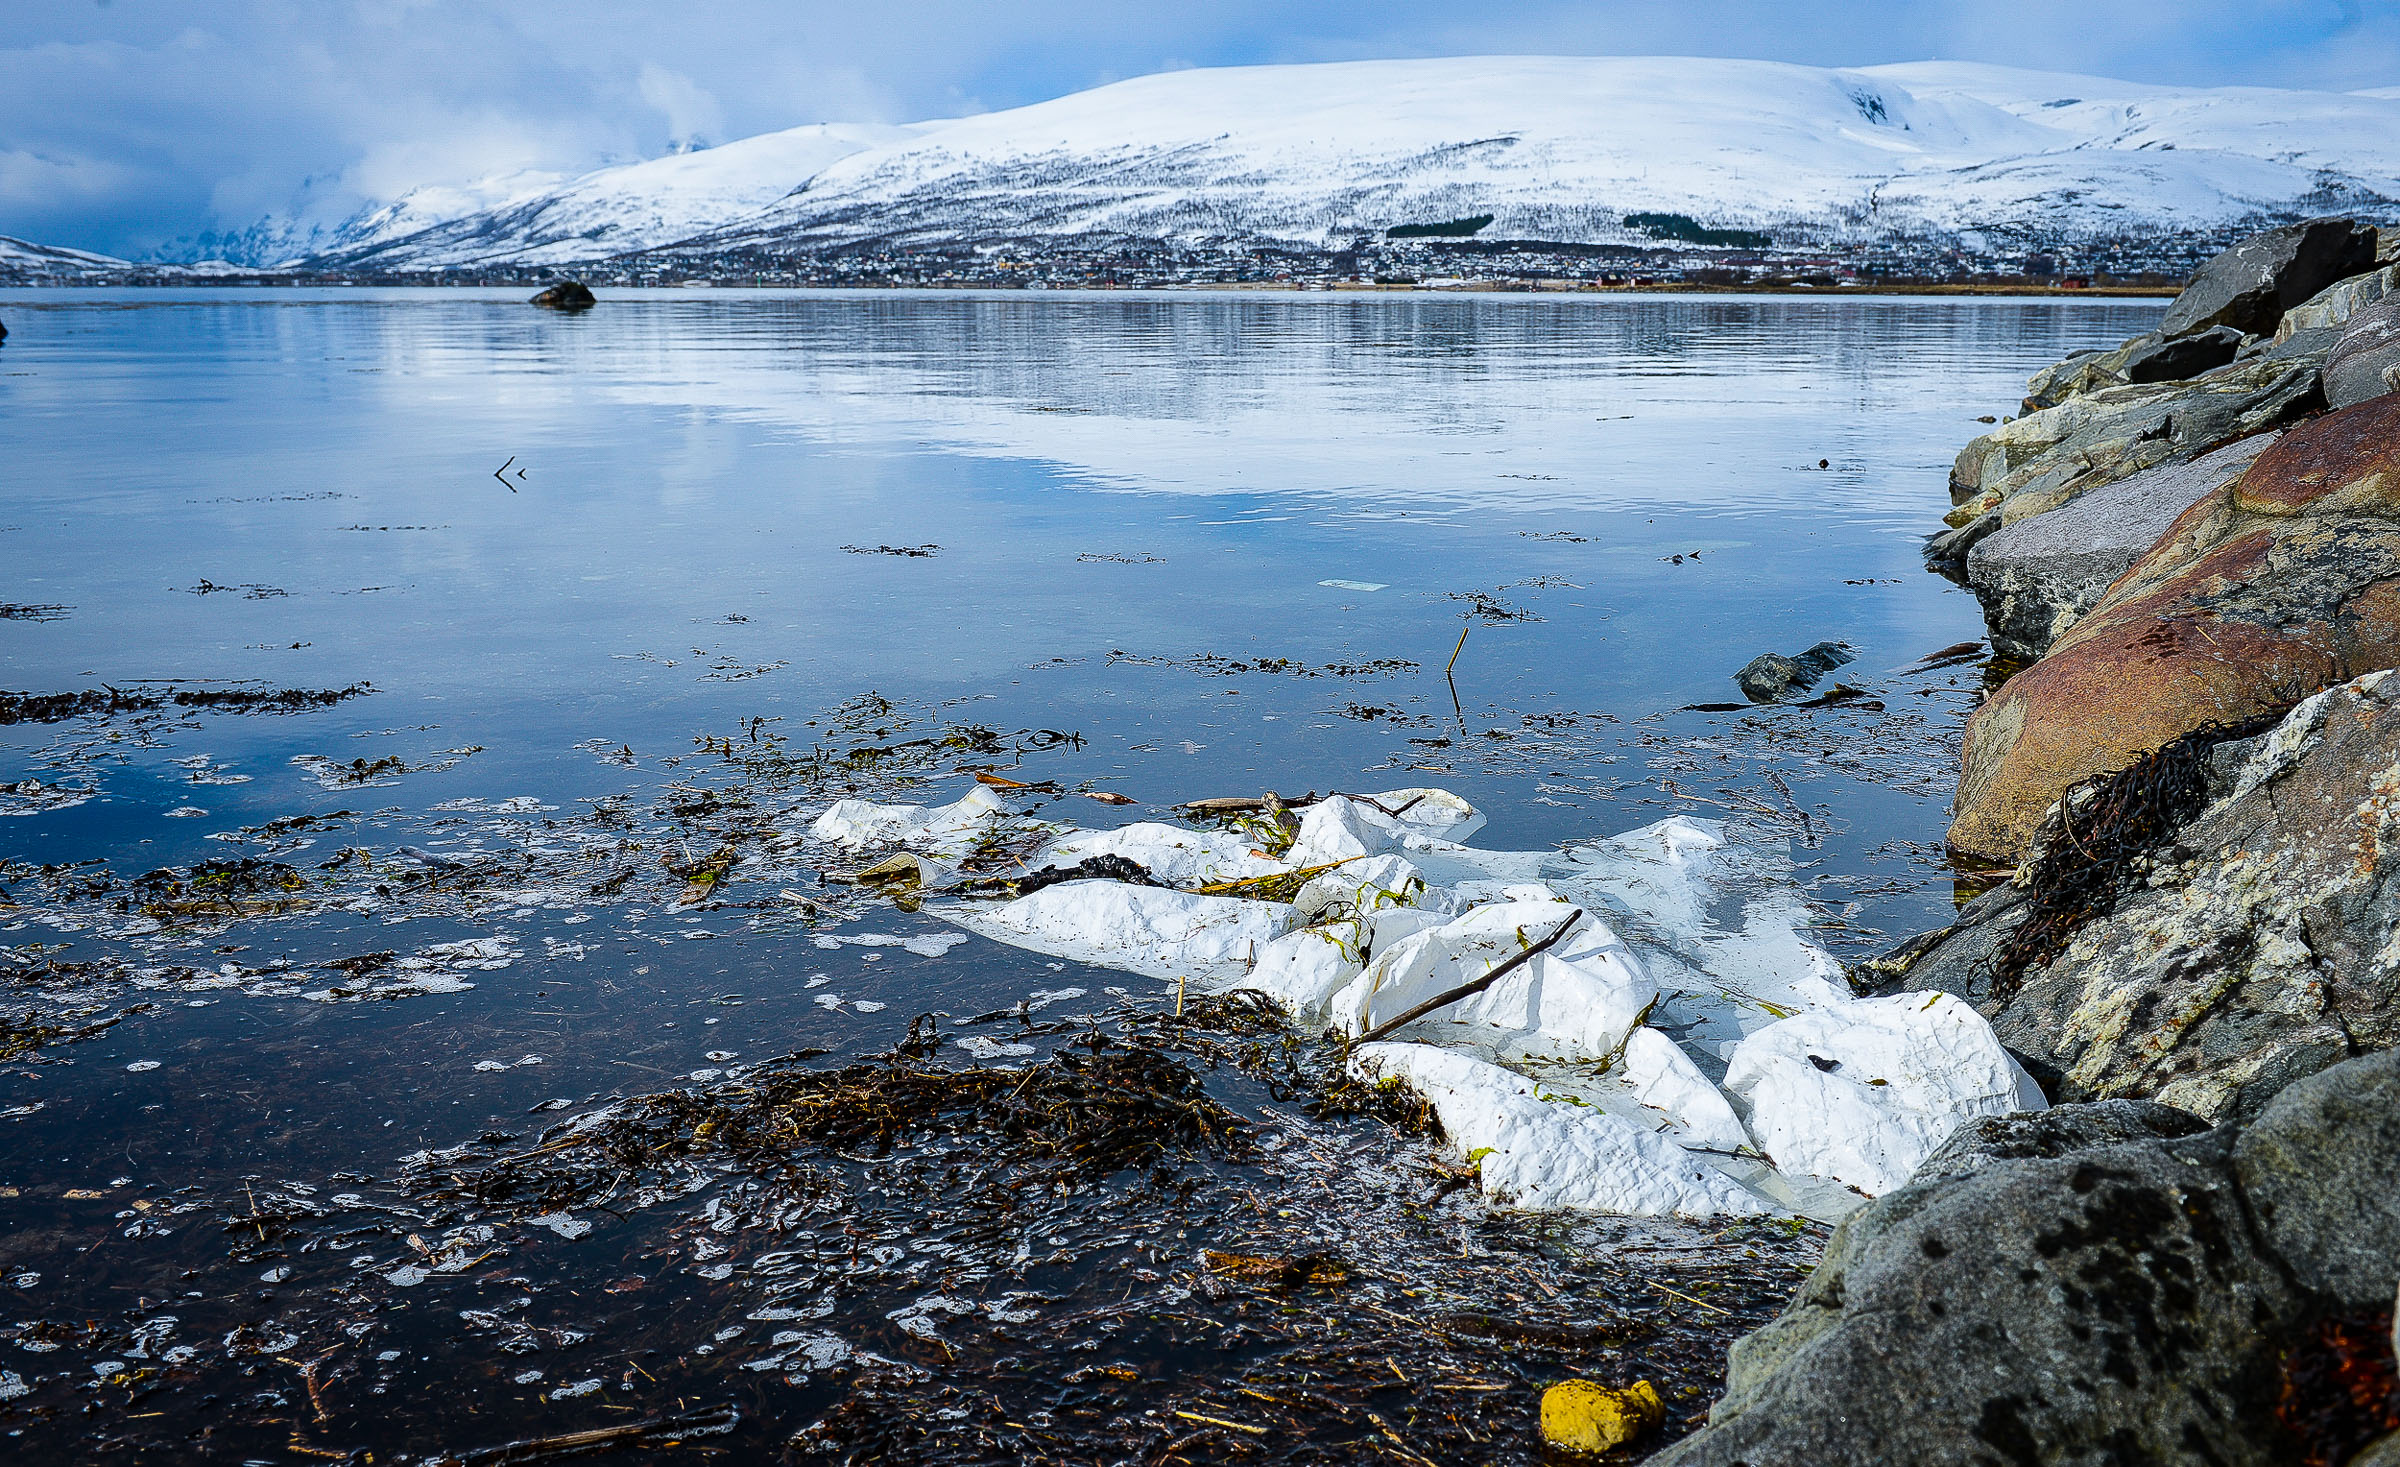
<point>1586,1417</point>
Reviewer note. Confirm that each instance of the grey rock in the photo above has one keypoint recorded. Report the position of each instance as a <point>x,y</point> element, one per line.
<point>2365,362</point>
<point>2096,1308</point>
<point>2048,1134</point>
<point>2172,359</point>
<point>2296,1162</point>
<point>2036,577</point>
<point>2312,345</point>
<point>1772,675</point>
<point>2384,1451</point>
<point>2251,285</point>
<point>1961,958</point>
<point>2042,460</point>
<point>2063,379</point>
<point>2101,1285</point>
<point>2334,306</point>
<point>2262,946</point>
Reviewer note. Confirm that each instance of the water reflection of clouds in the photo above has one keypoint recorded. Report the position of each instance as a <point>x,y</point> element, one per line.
<point>1491,402</point>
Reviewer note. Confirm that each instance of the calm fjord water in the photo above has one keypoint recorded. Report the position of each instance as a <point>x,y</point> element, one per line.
<point>1127,510</point>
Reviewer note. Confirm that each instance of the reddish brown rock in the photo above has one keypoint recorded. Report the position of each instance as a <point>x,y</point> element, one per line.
<point>2283,583</point>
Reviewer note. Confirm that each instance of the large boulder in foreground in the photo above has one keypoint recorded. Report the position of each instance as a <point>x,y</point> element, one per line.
<point>2037,577</point>
<point>2282,583</point>
<point>2365,360</point>
<point>2204,928</point>
<point>2032,1299</point>
<point>2250,286</point>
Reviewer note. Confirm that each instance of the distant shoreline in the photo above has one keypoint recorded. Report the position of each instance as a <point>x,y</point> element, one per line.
<point>1255,287</point>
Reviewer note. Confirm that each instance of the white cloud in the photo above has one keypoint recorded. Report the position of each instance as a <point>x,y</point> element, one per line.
<point>692,114</point>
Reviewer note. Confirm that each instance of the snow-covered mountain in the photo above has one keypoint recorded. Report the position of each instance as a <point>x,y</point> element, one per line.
<point>613,211</point>
<point>1553,148</point>
<point>22,263</point>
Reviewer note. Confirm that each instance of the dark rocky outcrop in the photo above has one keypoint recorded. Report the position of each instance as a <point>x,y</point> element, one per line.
<point>2283,583</point>
<point>2251,285</point>
<point>2172,359</point>
<point>2036,577</point>
<point>2259,942</point>
<point>1771,675</point>
<point>2094,1286</point>
<point>567,295</point>
<point>2365,362</point>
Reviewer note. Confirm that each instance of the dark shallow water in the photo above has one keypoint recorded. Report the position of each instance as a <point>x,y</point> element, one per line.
<point>663,638</point>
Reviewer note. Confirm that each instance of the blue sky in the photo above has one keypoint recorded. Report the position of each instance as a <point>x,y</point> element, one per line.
<point>127,123</point>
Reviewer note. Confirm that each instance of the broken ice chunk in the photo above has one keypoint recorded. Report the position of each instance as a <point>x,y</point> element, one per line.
<point>1139,929</point>
<point>1424,811</point>
<point>1663,1077</point>
<point>1865,1091</point>
<point>1337,829</point>
<point>1364,885</point>
<point>952,827</point>
<point>1541,1153</point>
<point>1172,855</point>
<point>1301,970</point>
<point>1586,994</point>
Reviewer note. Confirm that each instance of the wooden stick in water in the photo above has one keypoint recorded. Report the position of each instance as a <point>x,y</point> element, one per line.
<point>1469,990</point>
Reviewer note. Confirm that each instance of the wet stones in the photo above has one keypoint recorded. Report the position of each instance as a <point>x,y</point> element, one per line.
<point>2251,285</point>
<point>1773,676</point>
<point>2065,1301</point>
<point>2266,590</point>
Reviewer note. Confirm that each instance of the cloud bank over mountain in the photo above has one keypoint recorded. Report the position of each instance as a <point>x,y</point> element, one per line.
<point>131,125</point>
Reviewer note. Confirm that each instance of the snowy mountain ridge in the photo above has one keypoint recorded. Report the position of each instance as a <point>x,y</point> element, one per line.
<point>1582,150</point>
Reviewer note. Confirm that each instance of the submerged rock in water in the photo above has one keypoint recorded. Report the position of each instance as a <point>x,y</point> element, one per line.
<point>2037,577</point>
<point>2265,591</point>
<point>2046,1301</point>
<point>567,295</point>
<point>2251,285</point>
<point>2256,941</point>
<point>1772,676</point>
